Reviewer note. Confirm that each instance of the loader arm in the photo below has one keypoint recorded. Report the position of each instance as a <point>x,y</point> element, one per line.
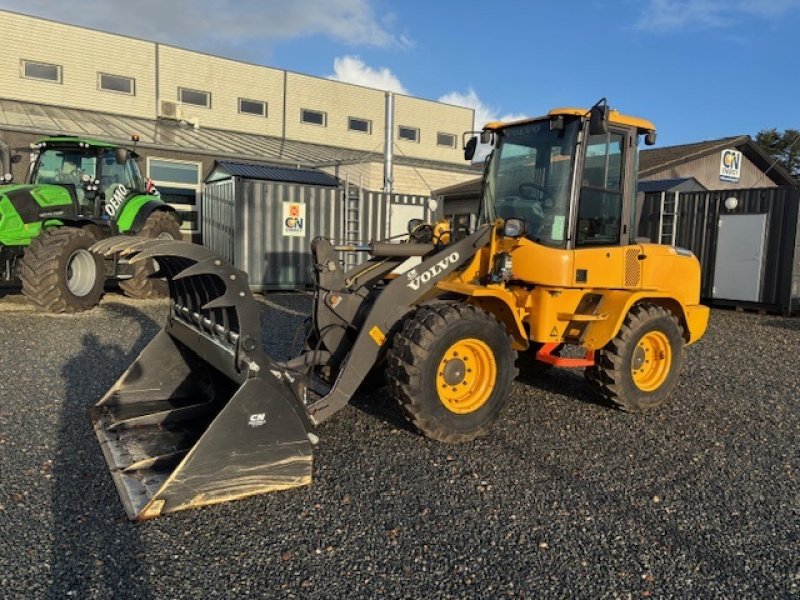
<point>393,302</point>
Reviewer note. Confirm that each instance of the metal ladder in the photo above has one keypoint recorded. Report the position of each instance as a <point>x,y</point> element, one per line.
<point>352,222</point>
<point>668,218</point>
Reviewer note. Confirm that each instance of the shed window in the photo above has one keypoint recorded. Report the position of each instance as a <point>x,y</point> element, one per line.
<point>194,97</point>
<point>43,71</point>
<point>362,125</point>
<point>408,133</point>
<point>253,107</point>
<point>116,83</point>
<point>446,139</point>
<point>313,117</point>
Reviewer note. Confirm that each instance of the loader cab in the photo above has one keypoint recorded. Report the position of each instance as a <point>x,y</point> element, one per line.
<point>569,176</point>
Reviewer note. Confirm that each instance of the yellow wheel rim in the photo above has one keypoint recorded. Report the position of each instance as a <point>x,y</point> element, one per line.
<point>651,361</point>
<point>466,376</point>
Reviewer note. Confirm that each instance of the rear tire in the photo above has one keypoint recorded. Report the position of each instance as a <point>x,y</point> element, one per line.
<point>638,370</point>
<point>450,369</point>
<point>158,225</point>
<point>60,274</point>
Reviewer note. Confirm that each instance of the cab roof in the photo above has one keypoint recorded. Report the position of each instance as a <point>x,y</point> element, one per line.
<point>68,139</point>
<point>614,116</point>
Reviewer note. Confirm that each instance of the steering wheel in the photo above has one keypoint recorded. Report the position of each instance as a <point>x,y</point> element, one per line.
<point>528,191</point>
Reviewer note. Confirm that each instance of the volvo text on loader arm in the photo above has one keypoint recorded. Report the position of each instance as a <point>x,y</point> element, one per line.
<point>203,415</point>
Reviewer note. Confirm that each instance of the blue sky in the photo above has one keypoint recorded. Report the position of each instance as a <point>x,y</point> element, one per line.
<point>699,69</point>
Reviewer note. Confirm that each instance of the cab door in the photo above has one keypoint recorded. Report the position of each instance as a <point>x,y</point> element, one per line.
<point>600,226</point>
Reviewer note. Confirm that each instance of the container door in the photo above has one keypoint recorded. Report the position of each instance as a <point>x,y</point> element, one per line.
<point>740,257</point>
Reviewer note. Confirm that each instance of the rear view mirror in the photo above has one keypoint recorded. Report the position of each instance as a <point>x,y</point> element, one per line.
<point>650,138</point>
<point>598,119</point>
<point>413,224</point>
<point>469,149</point>
<point>121,155</point>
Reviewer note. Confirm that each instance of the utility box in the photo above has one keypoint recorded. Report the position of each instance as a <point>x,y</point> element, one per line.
<point>263,218</point>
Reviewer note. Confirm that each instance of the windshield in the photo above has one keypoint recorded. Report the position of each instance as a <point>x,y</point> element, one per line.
<point>69,165</point>
<point>529,178</point>
<point>65,166</point>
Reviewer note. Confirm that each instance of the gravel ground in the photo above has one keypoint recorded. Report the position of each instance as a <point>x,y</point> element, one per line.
<point>566,498</point>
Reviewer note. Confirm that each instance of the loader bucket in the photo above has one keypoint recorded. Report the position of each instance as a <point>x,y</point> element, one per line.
<point>201,416</point>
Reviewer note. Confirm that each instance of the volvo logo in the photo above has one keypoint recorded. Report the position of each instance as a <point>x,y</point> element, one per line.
<point>436,270</point>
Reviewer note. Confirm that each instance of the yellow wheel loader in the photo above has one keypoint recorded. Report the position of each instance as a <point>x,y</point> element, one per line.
<point>203,415</point>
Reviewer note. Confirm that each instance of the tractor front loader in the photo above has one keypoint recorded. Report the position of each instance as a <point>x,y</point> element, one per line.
<point>203,415</point>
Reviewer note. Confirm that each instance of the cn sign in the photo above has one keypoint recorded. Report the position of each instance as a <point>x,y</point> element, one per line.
<point>730,166</point>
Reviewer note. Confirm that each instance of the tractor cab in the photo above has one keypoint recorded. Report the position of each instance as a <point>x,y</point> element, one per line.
<point>99,176</point>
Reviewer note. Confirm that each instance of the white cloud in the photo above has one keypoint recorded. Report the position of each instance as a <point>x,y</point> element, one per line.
<point>670,15</point>
<point>483,112</point>
<point>226,23</point>
<point>352,69</point>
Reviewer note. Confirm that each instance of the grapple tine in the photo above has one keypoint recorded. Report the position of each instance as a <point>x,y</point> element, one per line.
<point>176,248</point>
<point>116,244</point>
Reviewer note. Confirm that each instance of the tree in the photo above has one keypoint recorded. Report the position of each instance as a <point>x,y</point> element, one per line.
<point>783,146</point>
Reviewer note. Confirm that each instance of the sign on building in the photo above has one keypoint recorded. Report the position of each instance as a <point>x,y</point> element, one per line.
<point>294,219</point>
<point>730,166</point>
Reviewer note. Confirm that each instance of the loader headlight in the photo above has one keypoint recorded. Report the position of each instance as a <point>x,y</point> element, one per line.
<point>514,228</point>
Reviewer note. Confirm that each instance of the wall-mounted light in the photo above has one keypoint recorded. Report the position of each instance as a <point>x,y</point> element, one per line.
<point>731,203</point>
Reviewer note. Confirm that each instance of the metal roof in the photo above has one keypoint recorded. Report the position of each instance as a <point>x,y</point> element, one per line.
<point>655,160</point>
<point>273,173</point>
<point>686,184</point>
<point>171,135</point>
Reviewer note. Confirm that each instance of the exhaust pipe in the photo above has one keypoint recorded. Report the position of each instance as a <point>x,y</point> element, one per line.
<point>202,416</point>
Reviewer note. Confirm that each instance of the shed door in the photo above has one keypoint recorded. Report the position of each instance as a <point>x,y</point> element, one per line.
<point>740,257</point>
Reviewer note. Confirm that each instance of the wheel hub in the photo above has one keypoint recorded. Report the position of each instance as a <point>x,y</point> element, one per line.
<point>651,361</point>
<point>466,376</point>
<point>454,371</point>
<point>81,273</point>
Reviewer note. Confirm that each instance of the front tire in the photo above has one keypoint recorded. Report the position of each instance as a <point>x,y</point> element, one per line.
<point>450,369</point>
<point>60,274</point>
<point>158,225</point>
<point>638,370</point>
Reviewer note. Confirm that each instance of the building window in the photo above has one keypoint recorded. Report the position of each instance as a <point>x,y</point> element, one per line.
<point>116,83</point>
<point>446,139</point>
<point>253,107</point>
<point>42,71</point>
<point>408,133</point>
<point>194,97</point>
<point>313,117</point>
<point>179,184</point>
<point>362,125</point>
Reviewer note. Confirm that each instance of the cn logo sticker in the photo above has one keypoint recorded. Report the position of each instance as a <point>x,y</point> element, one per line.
<point>257,420</point>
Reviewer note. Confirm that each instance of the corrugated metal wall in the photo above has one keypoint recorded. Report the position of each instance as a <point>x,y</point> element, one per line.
<point>698,229</point>
<point>218,217</point>
<point>243,221</point>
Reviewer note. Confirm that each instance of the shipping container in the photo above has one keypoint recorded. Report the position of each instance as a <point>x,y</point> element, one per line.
<point>746,241</point>
<point>265,227</point>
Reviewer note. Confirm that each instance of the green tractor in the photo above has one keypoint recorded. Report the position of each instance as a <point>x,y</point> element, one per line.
<point>79,191</point>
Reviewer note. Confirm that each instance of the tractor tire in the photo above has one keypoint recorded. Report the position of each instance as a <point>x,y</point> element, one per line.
<point>60,274</point>
<point>638,370</point>
<point>159,225</point>
<point>450,369</point>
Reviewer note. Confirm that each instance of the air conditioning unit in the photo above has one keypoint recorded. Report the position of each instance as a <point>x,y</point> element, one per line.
<point>169,109</point>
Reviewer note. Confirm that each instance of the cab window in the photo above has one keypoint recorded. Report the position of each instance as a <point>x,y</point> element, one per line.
<point>600,205</point>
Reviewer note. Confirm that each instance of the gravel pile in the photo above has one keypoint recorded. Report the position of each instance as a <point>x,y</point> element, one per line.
<point>566,498</point>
